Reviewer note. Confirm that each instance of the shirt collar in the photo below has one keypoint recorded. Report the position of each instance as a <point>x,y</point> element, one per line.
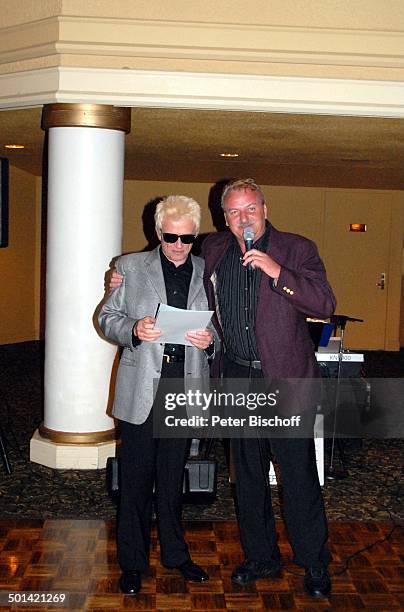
<point>169,265</point>
<point>262,242</point>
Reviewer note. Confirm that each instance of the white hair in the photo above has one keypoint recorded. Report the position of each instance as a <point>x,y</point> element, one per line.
<point>177,207</point>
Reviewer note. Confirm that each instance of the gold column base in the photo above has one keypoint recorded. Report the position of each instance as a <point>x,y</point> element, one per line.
<point>65,437</point>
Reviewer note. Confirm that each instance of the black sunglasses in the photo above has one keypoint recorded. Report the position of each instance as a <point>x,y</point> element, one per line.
<point>185,238</point>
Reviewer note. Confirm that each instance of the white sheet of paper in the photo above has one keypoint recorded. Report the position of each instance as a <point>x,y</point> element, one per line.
<point>176,322</point>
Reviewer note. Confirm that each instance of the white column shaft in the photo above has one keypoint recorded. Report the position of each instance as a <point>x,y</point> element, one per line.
<point>85,192</point>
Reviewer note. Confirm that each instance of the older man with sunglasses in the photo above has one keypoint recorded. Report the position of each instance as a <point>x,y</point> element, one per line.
<point>171,275</point>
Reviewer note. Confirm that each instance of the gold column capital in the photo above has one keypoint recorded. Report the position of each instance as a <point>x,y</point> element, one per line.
<point>87,115</point>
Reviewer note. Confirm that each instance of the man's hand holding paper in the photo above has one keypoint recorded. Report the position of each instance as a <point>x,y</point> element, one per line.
<point>201,338</point>
<point>145,330</point>
<point>181,326</point>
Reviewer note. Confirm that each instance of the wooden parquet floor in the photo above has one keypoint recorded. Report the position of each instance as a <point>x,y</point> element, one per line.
<point>78,558</point>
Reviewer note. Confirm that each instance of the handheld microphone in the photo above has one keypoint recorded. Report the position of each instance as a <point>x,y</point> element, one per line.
<point>248,236</point>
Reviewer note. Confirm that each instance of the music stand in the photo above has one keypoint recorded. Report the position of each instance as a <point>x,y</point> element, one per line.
<point>331,473</point>
<point>3,453</point>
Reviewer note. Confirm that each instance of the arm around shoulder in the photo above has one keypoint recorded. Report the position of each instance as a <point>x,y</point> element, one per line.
<point>114,320</point>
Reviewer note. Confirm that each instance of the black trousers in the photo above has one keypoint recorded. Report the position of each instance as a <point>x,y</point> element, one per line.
<point>302,497</point>
<point>146,461</point>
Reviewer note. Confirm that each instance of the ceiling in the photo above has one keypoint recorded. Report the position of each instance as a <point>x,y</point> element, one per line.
<point>274,148</point>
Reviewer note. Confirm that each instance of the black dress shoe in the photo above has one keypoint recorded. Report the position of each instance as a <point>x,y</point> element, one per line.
<point>192,572</point>
<point>130,582</point>
<point>250,571</point>
<point>317,582</point>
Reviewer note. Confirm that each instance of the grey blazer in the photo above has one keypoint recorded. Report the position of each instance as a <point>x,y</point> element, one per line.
<point>142,289</point>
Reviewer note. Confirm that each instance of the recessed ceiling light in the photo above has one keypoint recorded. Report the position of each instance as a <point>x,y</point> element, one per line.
<point>228,154</point>
<point>14,146</point>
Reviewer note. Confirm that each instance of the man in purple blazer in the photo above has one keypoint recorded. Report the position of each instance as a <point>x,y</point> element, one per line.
<point>265,335</point>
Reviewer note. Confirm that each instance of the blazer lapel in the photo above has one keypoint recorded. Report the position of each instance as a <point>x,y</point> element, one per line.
<point>265,295</point>
<point>275,246</point>
<point>155,273</point>
<point>196,280</point>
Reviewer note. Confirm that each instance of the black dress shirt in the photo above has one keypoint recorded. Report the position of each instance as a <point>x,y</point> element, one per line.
<point>237,295</point>
<point>177,281</point>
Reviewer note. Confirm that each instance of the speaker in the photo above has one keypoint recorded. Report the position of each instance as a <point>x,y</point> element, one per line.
<point>200,481</point>
<point>199,485</point>
<point>112,476</point>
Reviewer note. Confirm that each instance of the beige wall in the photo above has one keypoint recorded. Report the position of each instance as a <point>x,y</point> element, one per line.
<point>19,262</point>
<point>297,209</point>
<point>307,204</point>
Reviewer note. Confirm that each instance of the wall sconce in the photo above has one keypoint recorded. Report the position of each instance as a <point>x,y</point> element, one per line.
<point>357,227</point>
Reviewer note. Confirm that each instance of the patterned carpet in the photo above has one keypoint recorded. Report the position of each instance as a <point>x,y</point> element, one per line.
<point>373,490</point>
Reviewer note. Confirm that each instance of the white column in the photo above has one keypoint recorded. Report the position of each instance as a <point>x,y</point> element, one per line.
<point>84,233</point>
<point>85,183</point>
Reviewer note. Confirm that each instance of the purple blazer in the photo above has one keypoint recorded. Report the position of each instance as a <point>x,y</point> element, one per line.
<point>284,344</point>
